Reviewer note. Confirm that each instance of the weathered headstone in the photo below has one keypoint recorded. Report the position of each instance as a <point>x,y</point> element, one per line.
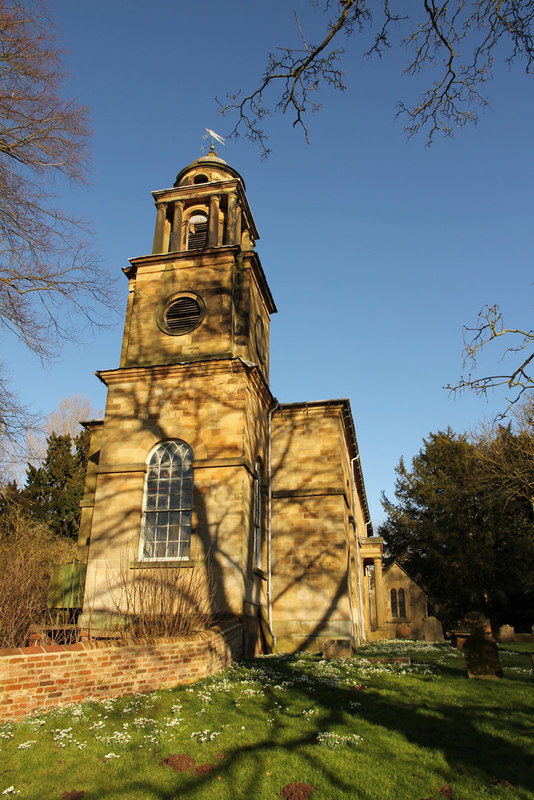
<point>475,621</point>
<point>337,648</point>
<point>481,653</point>
<point>506,633</point>
<point>433,630</point>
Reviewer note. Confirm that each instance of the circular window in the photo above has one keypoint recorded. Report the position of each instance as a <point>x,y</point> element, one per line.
<point>181,314</point>
<point>200,179</point>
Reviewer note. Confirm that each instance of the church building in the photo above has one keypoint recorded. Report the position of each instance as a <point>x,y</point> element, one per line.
<point>195,461</point>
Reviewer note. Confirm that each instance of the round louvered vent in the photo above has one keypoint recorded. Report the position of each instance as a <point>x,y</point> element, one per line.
<point>183,315</point>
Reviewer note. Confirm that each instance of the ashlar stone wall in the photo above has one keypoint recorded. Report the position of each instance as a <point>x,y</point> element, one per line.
<point>209,406</point>
<point>312,528</point>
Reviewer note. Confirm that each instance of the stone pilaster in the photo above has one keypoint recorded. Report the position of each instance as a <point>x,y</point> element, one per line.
<point>379,593</point>
<point>238,220</point>
<point>176,238</point>
<point>213,229</point>
<point>160,227</point>
<point>230,236</point>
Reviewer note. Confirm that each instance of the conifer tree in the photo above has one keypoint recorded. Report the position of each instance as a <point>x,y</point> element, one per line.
<point>462,525</point>
<point>53,491</point>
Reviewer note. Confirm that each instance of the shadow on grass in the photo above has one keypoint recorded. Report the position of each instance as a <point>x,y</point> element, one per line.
<point>454,725</point>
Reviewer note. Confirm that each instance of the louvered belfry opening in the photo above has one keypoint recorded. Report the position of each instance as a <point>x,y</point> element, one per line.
<point>183,315</point>
<point>197,232</point>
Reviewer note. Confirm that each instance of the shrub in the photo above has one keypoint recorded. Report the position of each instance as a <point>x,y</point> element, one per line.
<point>162,601</point>
<point>28,550</point>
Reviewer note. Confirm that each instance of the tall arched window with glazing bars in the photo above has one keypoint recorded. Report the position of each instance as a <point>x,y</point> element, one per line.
<point>168,503</point>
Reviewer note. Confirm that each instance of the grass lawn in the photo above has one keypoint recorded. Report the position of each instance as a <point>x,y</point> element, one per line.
<point>351,729</point>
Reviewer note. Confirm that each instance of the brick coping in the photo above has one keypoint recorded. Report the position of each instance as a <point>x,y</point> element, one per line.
<point>150,641</point>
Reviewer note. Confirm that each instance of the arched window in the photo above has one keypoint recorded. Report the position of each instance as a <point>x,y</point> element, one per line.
<point>394,608</point>
<point>197,232</point>
<point>258,532</point>
<point>402,604</point>
<point>168,506</point>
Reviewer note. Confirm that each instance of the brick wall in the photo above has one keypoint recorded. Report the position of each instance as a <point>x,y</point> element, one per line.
<point>43,677</point>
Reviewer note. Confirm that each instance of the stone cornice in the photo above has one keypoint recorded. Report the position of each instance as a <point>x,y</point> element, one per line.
<point>209,254</point>
<point>176,370</point>
<point>342,407</point>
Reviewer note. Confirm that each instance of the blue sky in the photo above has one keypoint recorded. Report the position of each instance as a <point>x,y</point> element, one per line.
<point>377,249</point>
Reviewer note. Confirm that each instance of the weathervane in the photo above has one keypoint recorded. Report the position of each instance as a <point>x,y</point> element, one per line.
<point>214,138</point>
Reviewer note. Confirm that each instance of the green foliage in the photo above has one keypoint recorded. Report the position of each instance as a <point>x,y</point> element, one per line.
<point>54,490</point>
<point>463,525</point>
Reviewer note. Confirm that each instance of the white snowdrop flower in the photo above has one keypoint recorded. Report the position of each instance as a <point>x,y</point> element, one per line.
<point>172,723</point>
<point>25,745</point>
<point>334,740</point>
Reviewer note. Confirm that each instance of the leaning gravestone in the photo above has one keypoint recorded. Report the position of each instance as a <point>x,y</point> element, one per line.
<point>506,633</point>
<point>337,648</point>
<point>481,653</point>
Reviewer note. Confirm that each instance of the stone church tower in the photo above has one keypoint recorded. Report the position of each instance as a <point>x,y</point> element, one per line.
<point>196,462</point>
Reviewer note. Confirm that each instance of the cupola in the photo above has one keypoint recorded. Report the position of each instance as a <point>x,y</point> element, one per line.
<point>206,208</point>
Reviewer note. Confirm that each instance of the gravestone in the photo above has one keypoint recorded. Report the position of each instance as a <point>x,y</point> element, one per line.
<point>480,651</point>
<point>337,648</point>
<point>433,630</point>
<point>506,633</point>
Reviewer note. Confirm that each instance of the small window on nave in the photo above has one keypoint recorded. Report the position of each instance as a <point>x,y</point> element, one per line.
<point>258,517</point>
<point>402,604</point>
<point>394,606</point>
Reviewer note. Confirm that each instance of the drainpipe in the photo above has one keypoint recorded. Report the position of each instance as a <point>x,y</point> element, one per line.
<point>358,566</point>
<point>269,524</point>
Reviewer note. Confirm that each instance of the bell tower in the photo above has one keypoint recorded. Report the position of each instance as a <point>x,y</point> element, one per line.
<point>202,293</point>
<point>177,464</point>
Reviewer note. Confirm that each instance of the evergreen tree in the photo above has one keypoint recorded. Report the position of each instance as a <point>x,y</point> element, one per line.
<point>10,496</point>
<point>53,491</point>
<point>464,529</point>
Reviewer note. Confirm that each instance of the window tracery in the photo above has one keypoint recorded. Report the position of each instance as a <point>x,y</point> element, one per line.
<point>168,503</point>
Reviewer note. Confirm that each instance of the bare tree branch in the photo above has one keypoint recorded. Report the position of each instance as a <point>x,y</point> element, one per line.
<point>47,268</point>
<point>49,276</point>
<point>490,328</point>
<point>460,39</point>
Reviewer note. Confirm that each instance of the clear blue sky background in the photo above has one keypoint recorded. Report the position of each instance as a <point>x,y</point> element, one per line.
<point>377,250</point>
